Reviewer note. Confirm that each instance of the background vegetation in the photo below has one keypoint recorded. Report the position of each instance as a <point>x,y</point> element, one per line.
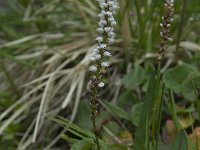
<point>44,49</point>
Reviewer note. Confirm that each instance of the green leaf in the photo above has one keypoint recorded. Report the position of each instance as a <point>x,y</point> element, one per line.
<point>126,99</point>
<point>117,111</point>
<point>136,112</point>
<point>85,144</point>
<point>134,78</point>
<point>118,147</point>
<point>180,142</point>
<point>162,146</point>
<point>83,116</point>
<point>187,89</point>
<point>105,146</point>
<point>73,128</point>
<point>151,114</point>
<point>174,77</point>
<point>179,79</point>
<point>141,132</point>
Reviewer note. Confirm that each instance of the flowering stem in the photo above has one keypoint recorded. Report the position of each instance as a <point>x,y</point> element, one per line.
<point>100,53</point>
<point>165,28</point>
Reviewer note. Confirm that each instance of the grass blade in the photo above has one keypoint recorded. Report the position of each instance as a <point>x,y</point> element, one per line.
<point>180,142</point>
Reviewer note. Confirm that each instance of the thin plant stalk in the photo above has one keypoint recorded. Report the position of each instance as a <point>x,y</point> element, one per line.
<point>100,54</point>
<point>181,25</point>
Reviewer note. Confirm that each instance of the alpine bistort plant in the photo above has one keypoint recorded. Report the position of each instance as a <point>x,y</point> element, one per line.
<point>165,28</point>
<point>101,54</point>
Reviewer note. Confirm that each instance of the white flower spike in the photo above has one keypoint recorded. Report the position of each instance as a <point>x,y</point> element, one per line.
<point>105,37</point>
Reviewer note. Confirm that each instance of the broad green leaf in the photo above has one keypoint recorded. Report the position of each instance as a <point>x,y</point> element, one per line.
<point>134,78</point>
<point>175,77</point>
<point>83,116</point>
<point>136,112</point>
<point>179,79</point>
<point>126,99</point>
<point>187,89</point>
<point>180,142</point>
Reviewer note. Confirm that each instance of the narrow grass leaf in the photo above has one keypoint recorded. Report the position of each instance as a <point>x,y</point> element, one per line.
<point>141,132</point>
<point>180,142</point>
<point>117,111</point>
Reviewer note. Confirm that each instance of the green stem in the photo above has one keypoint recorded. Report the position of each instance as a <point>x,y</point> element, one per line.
<point>96,134</point>
<point>173,111</point>
<point>181,26</point>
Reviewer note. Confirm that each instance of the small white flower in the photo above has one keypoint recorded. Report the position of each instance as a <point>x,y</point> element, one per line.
<point>111,3</point>
<point>99,39</point>
<point>103,12</point>
<point>101,25</point>
<point>104,5</point>
<point>101,84</point>
<point>103,46</point>
<point>103,22</point>
<point>98,47</point>
<point>101,1</point>
<point>109,13</point>
<point>100,30</point>
<point>93,68</point>
<point>111,40</point>
<point>101,16</point>
<point>114,12</point>
<point>112,29</point>
<point>92,58</point>
<point>96,50</point>
<point>111,19</point>
<point>115,7</point>
<point>170,39</point>
<point>111,34</point>
<point>168,25</point>
<point>111,9</point>
<point>161,24</point>
<point>108,54</point>
<point>105,64</point>
<point>97,56</point>
<point>107,29</point>
<point>113,23</point>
